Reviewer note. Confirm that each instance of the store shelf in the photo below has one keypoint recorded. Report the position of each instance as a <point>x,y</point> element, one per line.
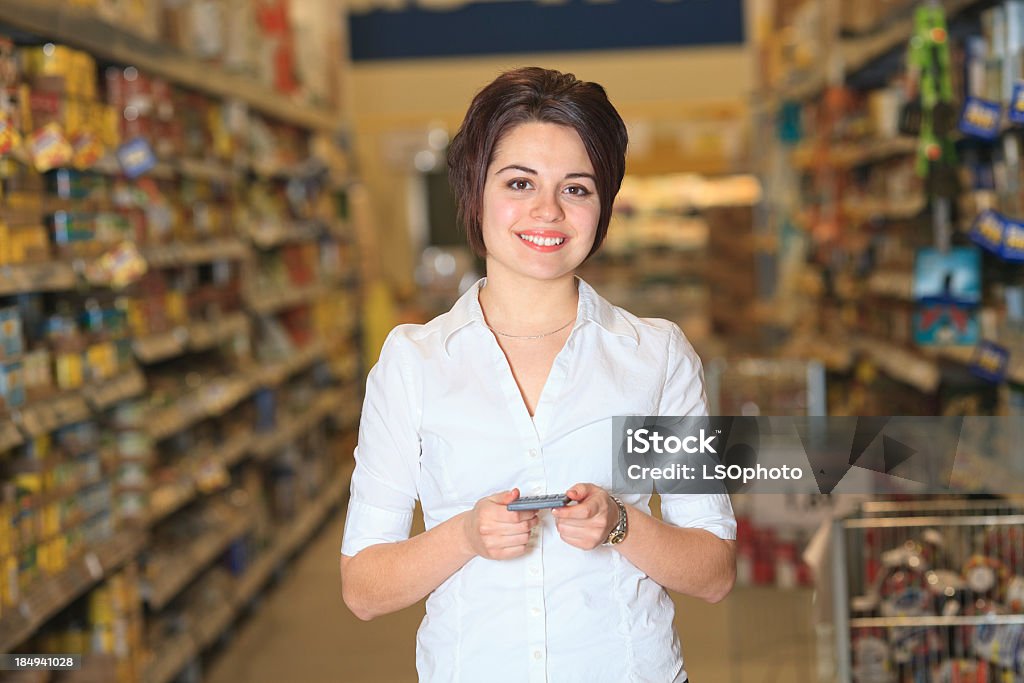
<point>42,417</point>
<point>292,537</point>
<point>176,652</point>
<point>206,335</point>
<point>274,374</point>
<point>47,597</point>
<point>178,496</point>
<point>201,169</point>
<point>275,235</point>
<point>172,656</point>
<point>184,254</point>
<point>212,399</point>
<point>196,336</point>
<point>61,23</point>
<point>852,155</point>
<point>269,303</point>
<point>50,276</point>
<point>104,394</point>
<point>864,209</point>
<point>904,365</point>
<point>182,568</point>
<point>292,427</point>
<point>892,284</point>
<point>9,435</point>
<point>161,346</point>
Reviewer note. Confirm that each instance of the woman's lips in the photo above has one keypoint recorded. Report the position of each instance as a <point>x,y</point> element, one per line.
<point>543,240</point>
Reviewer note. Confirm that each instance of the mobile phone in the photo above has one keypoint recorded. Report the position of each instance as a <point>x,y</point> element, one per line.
<point>554,500</point>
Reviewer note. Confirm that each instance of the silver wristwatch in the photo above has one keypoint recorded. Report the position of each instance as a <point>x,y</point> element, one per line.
<point>618,533</point>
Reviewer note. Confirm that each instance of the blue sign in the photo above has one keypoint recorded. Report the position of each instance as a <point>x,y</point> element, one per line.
<point>990,362</point>
<point>518,27</point>
<point>987,231</point>
<point>1016,110</point>
<point>136,157</point>
<point>981,118</point>
<point>1013,242</point>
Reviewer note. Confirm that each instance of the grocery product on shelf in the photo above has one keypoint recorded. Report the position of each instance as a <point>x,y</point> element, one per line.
<point>175,256</point>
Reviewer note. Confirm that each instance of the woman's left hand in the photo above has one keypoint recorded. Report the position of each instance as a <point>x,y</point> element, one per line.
<point>587,524</point>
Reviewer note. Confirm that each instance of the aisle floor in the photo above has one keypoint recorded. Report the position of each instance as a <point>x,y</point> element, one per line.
<point>302,632</point>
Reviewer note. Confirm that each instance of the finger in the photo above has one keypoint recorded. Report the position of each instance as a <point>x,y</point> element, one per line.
<point>500,542</point>
<point>579,491</point>
<point>504,497</point>
<point>584,510</point>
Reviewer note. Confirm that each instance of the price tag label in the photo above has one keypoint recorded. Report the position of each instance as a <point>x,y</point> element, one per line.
<point>990,362</point>
<point>93,566</point>
<point>981,118</point>
<point>136,157</point>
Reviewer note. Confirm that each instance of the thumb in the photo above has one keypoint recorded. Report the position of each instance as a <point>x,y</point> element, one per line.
<point>505,497</point>
<point>578,492</point>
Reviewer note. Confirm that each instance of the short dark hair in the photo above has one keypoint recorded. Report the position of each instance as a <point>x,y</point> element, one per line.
<point>543,95</point>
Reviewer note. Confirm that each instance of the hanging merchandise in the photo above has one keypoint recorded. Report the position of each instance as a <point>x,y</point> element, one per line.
<point>947,288</point>
<point>990,362</point>
<point>999,235</point>
<point>929,61</point>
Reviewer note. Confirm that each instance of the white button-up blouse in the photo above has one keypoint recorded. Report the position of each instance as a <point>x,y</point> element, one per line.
<point>443,421</point>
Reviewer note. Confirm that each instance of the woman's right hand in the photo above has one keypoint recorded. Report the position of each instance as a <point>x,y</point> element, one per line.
<point>495,532</point>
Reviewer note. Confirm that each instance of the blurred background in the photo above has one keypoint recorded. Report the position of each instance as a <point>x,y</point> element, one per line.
<point>213,211</point>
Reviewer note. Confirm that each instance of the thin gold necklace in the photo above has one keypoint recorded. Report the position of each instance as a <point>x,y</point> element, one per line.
<point>531,336</point>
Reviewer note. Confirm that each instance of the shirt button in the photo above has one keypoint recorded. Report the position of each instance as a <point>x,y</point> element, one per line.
<point>537,654</point>
<point>534,453</point>
<point>535,611</point>
<point>534,570</point>
<point>538,490</point>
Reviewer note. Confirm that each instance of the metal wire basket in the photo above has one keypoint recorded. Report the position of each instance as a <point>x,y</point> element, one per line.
<point>930,590</point>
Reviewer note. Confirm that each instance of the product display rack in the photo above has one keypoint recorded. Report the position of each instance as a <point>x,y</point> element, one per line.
<point>929,587</point>
<point>882,298</point>
<point>258,368</point>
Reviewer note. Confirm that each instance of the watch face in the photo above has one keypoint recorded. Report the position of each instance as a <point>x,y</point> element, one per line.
<point>616,536</point>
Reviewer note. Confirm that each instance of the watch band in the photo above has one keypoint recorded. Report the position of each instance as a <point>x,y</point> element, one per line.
<point>618,533</point>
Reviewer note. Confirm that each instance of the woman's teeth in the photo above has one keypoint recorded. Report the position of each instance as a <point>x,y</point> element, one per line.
<point>543,241</point>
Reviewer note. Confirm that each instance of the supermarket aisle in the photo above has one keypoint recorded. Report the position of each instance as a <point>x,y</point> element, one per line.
<point>302,631</point>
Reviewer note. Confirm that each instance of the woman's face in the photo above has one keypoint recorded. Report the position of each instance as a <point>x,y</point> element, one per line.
<point>540,206</point>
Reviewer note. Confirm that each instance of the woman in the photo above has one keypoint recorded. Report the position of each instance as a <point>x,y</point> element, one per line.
<point>512,392</point>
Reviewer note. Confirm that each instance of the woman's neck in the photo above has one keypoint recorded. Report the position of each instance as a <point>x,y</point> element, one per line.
<point>523,305</point>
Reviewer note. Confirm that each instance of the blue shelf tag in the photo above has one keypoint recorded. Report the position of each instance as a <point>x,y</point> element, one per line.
<point>987,231</point>
<point>136,157</point>
<point>1016,111</point>
<point>1013,242</point>
<point>990,362</point>
<point>981,118</point>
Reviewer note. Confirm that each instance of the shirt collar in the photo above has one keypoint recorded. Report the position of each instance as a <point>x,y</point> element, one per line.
<point>592,307</point>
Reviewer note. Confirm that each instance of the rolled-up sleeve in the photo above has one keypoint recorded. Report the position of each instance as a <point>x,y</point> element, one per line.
<point>383,488</point>
<point>684,395</point>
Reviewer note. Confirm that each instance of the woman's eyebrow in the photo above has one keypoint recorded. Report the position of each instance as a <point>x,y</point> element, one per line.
<point>525,169</point>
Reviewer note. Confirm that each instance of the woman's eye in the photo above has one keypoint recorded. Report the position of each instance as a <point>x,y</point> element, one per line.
<point>519,184</point>
<point>577,190</point>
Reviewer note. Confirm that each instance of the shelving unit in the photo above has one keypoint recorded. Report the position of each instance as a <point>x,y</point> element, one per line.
<point>866,315</point>
<point>172,655</point>
<point>188,407</point>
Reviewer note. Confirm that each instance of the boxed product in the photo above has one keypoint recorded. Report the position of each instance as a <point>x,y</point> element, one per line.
<point>12,342</point>
<point>12,384</point>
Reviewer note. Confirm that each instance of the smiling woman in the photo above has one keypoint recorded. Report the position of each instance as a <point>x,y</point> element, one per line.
<point>513,390</point>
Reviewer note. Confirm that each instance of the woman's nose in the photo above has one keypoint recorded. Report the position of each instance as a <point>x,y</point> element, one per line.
<point>546,208</point>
